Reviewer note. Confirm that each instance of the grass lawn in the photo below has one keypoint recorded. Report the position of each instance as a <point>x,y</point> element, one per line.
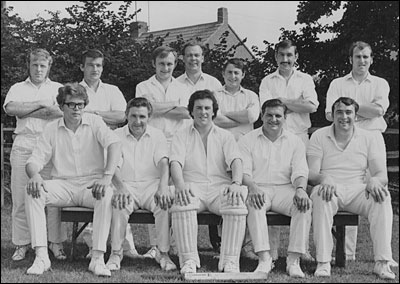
<point>148,271</point>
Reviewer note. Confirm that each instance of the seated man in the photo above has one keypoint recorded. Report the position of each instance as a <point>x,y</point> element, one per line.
<point>75,145</point>
<point>141,181</point>
<point>201,156</point>
<point>275,172</point>
<point>338,158</point>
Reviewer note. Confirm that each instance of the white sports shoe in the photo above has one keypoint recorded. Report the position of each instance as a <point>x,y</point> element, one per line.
<point>189,267</point>
<point>98,267</point>
<point>114,262</point>
<point>323,269</point>
<point>39,266</point>
<point>265,266</point>
<point>152,253</point>
<point>382,269</point>
<point>293,268</point>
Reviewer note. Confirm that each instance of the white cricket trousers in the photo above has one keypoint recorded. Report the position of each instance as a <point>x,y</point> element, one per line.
<point>279,199</point>
<point>143,198</point>
<point>71,192</point>
<point>20,232</point>
<point>352,198</point>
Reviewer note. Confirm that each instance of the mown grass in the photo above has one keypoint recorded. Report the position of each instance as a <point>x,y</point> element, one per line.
<point>148,271</point>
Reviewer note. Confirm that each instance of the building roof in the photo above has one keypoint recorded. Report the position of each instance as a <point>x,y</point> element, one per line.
<point>200,32</point>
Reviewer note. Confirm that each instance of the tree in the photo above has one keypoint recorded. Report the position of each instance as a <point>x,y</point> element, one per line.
<point>375,22</point>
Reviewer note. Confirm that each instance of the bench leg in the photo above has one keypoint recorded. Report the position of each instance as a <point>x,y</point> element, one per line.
<point>75,234</point>
<point>340,245</point>
<point>214,238</point>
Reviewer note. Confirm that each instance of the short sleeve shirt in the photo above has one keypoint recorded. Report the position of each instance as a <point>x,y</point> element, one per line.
<point>242,100</point>
<point>140,158</point>
<point>300,85</point>
<point>273,163</point>
<point>74,155</point>
<point>187,148</point>
<point>205,82</point>
<point>106,98</point>
<point>26,91</point>
<point>371,90</point>
<point>346,166</point>
<point>175,93</point>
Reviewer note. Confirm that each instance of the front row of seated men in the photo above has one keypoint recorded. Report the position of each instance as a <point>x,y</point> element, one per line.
<point>266,170</point>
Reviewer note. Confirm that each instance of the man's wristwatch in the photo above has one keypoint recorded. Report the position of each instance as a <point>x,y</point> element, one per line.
<point>236,182</point>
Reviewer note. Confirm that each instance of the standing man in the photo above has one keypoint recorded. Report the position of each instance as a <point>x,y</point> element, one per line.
<point>105,100</point>
<point>169,100</point>
<point>108,102</point>
<point>75,144</point>
<point>297,91</point>
<point>33,103</point>
<point>338,157</point>
<point>372,95</point>
<point>239,108</point>
<point>275,172</point>
<point>206,168</point>
<point>194,79</point>
<point>141,182</point>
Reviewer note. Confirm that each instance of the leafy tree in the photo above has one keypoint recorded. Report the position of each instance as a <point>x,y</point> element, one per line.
<point>375,22</point>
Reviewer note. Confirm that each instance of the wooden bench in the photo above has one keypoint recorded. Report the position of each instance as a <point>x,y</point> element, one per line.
<point>85,215</point>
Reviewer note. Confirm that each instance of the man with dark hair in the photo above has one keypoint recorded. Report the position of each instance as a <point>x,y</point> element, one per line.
<point>206,168</point>
<point>297,91</point>
<point>33,103</point>
<point>372,95</point>
<point>275,172</point>
<point>105,100</point>
<point>338,158</point>
<point>141,181</point>
<point>239,108</point>
<point>75,145</point>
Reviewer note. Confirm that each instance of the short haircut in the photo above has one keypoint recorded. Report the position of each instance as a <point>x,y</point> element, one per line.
<point>39,53</point>
<point>200,95</point>
<point>92,53</point>
<point>360,45</point>
<point>139,102</point>
<point>74,90</point>
<point>237,62</point>
<point>346,101</point>
<point>192,44</point>
<point>273,103</point>
<point>162,52</point>
<point>286,43</point>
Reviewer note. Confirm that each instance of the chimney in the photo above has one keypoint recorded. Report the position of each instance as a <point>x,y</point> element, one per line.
<point>138,28</point>
<point>222,15</point>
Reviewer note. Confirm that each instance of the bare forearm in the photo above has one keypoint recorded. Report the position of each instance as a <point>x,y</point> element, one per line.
<point>237,170</point>
<point>47,113</point>
<point>370,110</point>
<point>178,113</point>
<point>162,108</point>
<point>113,156</point>
<point>177,174</point>
<point>112,117</point>
<point>22,109</point>
<point>248,181</point>
<point>117,179</point>
<point>32,169</point>
<point>164,171</point>
<point>300,106</point>
<point>225,122</point>
<point>239,116</point>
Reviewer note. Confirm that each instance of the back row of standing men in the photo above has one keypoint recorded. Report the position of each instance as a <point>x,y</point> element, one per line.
<point>33,103</point>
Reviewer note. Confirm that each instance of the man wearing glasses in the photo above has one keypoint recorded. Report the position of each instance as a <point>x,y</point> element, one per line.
<point>75,144</point>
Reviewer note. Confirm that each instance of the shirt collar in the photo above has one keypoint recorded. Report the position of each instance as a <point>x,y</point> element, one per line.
<point>350,77</point>
<point>276,73</point>
<point>85,120</point>
<point>192,128</point>
<point>331,133</point>
<point>154,81</point>
<point>284,134</point>
<point>223,89</point>
<point>29,81</point>
<point>186,77</point>
<point>148,132</point>
<point>83,83</point>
